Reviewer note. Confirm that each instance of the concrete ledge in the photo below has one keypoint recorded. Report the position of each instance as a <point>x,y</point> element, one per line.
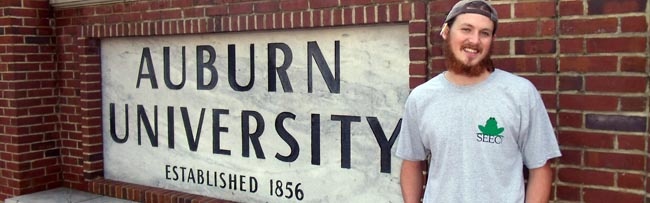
<point>64,195</point>
<point>145,194</point>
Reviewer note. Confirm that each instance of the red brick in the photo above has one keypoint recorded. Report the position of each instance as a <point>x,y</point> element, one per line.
<point>567,119</point>
<point>568,193</point>
<point>500,48</point>
<point>393,13</point>
<point>588,26</point>
<point>417,54</point>
<point>586,139</point>
<point>574,45</point>
<point>616,6</point>
<point>204,2</point>
<point>420,11</point>
<point>347,16</point>
<point>417,27</point>
<point>156,5</point>
<point>242,8</point>
<point>633,64</point>
<point>634,24</point>
<point>548,65</point>
<point>542,82</point>
<point>414,82</point>
<point>286,20</point>
<point>355,2</point>
<point>570,83</point>
<point>316,4</point>
<point>21,12</point>
<point>517,65</point>
<point>588,64</point>
<point>631,142</point>
<point>359,15</point>
<point>588,177</point>
<point>615,83</point>
<point>386,1</point>
<point>417,41</point>
<point>550,102</point>
<point>638,104</point>
<point>28,174</point>
<point>600,195</point>
<point>615,160</point>
<point>268,23</point>
<point>632,181</point>
<point>216,10</point>
<point>526,47</point>
<point>595,102</point>
<point>139,6</point>
<point>327,18</point>
<point>29,156</point>
<point>612,45</point>
<point>442,6</point>
<point>317,19</point>
<point>535,9</point>
<point>548,28</point>
<point>11,3</point>
<point>503,10</point>
<point>337,17</point>
<point>292,5</point>
<point>437,66</point>
<point>264,7</point>
<point>370,14</point>
<point>417,69</point>
<point>382,13</point>
<point>513,29</point>
<point>406,12</point>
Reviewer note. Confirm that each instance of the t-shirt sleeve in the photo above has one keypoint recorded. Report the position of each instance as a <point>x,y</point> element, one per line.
<point>539,143</point>
<point>409,143</point>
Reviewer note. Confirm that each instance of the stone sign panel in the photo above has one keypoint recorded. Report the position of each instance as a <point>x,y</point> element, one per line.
<point>271,116</point>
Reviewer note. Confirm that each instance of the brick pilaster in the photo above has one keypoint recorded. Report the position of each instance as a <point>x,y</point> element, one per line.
<point>29,144</point>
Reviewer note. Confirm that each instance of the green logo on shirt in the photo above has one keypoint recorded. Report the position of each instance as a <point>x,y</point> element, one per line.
<point>491,128</point>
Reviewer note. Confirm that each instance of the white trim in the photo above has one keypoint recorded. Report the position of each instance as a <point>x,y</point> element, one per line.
<point>81,3</point>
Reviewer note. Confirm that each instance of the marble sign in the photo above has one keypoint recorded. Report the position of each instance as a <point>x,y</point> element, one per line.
<point>271,116</point>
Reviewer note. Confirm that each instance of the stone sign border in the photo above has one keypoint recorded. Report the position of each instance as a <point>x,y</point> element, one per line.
<point>83,29</point>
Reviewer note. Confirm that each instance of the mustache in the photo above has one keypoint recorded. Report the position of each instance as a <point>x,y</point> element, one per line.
<point>472,46</point>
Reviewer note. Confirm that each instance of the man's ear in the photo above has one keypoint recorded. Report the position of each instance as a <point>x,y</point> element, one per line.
<point>445,31</point>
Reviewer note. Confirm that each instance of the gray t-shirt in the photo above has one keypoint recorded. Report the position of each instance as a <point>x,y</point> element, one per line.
<point>479,137</point>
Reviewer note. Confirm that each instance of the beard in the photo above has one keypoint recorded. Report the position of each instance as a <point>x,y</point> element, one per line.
<point>459,67</point>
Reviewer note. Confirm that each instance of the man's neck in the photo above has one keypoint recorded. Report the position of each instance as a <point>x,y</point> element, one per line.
<point>465,80</point>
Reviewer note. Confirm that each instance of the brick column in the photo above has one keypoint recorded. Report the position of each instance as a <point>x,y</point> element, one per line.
<point>603,98</point>
<point>28,121</point>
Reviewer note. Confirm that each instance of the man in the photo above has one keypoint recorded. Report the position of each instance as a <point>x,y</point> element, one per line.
<point>478,125</point>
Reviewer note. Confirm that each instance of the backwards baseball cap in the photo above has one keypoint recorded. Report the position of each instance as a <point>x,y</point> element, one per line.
<point>474,6</point>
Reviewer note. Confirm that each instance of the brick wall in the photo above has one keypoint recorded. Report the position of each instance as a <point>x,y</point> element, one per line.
<point>603,100</point>
<point>588,58</point>
<point>29,158</point>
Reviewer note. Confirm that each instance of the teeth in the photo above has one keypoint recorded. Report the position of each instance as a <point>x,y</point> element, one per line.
<point>470,50</point>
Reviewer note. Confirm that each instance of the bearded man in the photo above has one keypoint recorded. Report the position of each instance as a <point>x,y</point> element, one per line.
<point>476,125</point>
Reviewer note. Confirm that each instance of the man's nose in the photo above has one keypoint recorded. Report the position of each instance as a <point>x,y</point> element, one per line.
<point>474,38</point>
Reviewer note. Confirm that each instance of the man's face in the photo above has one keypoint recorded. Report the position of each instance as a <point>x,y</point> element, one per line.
<point>469,42</point>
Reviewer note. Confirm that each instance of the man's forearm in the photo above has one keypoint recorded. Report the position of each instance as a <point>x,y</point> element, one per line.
<point>411,181</point>
<point>539,184</point>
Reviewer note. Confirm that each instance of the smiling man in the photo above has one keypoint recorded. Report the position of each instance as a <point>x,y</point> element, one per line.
<point>476,125</point>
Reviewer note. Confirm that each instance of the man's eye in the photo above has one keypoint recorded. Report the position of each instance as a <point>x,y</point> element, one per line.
<point>485,34</point>
<point>465,29</point>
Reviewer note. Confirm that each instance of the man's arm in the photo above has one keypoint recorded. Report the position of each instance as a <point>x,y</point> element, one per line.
<point>539,184</point>
<point>411,180</point>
